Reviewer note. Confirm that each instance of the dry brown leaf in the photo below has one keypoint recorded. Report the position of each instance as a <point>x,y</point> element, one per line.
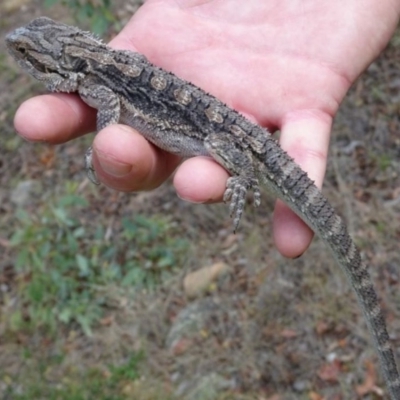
<point>336,397</point>
<point>288,333</point>
<point>180,346</point>
<point>315,396</point>
<point>107,321</point>
<point>330,372</point>
<point>5,242</point>
<point>47,157</point>
<point>369,385</point>
<point>229,241</point>
<point>322,328</point>
<point>274,397</point>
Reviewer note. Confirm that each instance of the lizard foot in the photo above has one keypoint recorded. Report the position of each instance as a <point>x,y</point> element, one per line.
<point>91,173</point>
<point>235,193</point>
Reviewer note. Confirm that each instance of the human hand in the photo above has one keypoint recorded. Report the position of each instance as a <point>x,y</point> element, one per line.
<point>281,63</point>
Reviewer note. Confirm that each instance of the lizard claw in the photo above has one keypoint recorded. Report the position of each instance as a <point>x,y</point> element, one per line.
<point>235,193</point>
<point>91,173</point>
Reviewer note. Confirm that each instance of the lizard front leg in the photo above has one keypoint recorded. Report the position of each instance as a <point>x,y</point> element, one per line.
<point>108,112</point>
<point>239,164</point>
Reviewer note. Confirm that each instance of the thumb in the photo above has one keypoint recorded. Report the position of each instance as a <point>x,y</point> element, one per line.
<point>305,136</point>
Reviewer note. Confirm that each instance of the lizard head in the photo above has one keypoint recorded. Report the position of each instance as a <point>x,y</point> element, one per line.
<point>39,48</point>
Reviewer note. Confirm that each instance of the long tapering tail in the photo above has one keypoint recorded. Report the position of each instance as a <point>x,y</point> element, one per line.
<point>296,189</point>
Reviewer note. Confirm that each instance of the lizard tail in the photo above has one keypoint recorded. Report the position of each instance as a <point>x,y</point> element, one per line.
<point>296,189</point>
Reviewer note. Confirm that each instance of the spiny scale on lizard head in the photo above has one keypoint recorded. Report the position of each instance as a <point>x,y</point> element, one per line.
<point>45,59</point>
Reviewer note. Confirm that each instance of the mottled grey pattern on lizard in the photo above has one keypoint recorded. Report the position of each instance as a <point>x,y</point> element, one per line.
<point>183,119</point>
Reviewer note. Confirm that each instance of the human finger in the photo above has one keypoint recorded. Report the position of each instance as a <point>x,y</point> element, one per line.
<point>124,160</point>
<point>201,180</point>
<point>305,136</point>
<point>54,118</point>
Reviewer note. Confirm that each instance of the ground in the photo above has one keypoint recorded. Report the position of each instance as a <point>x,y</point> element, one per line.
<point>96,287</point>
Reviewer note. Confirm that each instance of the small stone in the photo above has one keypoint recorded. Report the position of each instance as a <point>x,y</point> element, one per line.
<point>23,193</point>
<point>197,282</point>
<point>190,321</point>
<point>208,387</point>
<point>300,385</point>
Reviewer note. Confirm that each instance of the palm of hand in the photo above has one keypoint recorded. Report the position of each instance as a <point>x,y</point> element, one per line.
<point>282,63</point>
<point>266,59</point>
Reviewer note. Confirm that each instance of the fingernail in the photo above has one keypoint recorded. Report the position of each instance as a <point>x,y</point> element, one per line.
<point>111,166</point>
<point>32,140</point>
<point>189,199</point>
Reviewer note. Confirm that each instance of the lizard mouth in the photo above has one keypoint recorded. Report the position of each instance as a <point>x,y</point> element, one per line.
<point>22,53</point>
<point>40,67</point>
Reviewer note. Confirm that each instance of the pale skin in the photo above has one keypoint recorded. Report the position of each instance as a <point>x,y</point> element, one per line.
<point>285,64</point>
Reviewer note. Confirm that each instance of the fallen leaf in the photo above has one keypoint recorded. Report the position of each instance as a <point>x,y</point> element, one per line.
<point>288,333</point>
<point>180,346</point>
<point>322,328</point>
<point>336,397</point>
<point>315,396</point>
<point>47,157</point>
<point>5,242</point>
<point>274,397</point>
<point>107,321</point>
<point>229,241</point>
<point>369,385</point>
<point>330,372</point>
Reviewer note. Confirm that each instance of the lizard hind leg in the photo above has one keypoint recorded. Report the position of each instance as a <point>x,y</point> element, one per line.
<point>239,164</point>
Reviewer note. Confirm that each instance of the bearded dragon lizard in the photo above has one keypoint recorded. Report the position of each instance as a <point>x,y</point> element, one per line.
<point>183,119</point>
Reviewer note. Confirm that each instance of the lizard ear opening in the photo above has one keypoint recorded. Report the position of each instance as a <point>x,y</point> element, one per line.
<point>21,49</point>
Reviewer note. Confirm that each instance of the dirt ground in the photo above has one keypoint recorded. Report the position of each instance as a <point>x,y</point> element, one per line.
<point>268,328</point>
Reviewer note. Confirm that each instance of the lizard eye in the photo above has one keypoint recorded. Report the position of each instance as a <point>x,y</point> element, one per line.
<point>49,70</point>
<point>21,49</point>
